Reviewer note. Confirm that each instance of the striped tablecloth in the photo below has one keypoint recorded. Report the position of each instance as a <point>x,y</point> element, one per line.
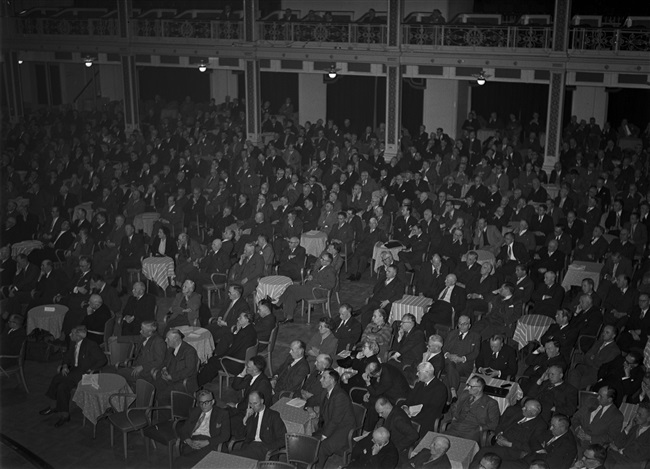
<point>314,242</point>
<point>144,221</point>
<point>200,339</point>
<point>531,327</point>
<point>379,249</point>
<point>513,396</point>
<point>646,354</point>
<point>416,305</point>
<point>629,411</point>
<point>94,402</point>
<point>461,452</point>
<point>217,460</point>
<point>158,269</point>
<point>48,318</point>
<point>297,420</point>
<point>580,270</point>
<point>25,247</point>
<point>273,286</point>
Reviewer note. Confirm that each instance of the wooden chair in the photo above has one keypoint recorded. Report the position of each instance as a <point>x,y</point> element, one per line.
<point>109,327</point>
<point>19,367</point>
<point>300,450</point>
<point>312,302</point>
<point>165,432</point>
<point>133,418</point>
<point>359,417</point>
<point>219,282</point>
<point>274,465</point>
<point>270,346</point>
<point>250,353</point>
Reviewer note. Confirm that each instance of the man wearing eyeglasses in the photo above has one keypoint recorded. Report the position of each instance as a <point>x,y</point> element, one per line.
<point>474,412</point>
<point>206,428</point>
<point>592,458</point>
<point>409,346</point>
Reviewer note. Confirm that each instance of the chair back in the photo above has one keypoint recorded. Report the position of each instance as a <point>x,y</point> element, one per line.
<point>21,354</point>
<point>271,343</point>
<point>586,396</point>
<point>251,352</point>
<point>109,328</point>
<point>274,465</point>
<point>144,393</point>
<point>359,414</point>
<point>182,404</point>
<point>301,449</point>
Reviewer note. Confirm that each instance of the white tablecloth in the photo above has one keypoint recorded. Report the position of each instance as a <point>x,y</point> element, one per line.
<point>158,269</point>
<point>25,247</point>
<point>272,286</point>
<point>381,248</point>
<point>461,452</point>
<point>531,327</point>
<point>513,396</point>
<point>580,270</point>
<point>552,190</point>
<point>314,242</point>
<point>200,339</point>
<point>48,318</point>
<point>145,221</point>
<point>415,305</point>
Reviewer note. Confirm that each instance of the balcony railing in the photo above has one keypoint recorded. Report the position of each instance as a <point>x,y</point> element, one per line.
<point>510,37</point>
<point>606,39</point>
<point>322,32</point>
<point>68,26</point>
<point>187,29</point>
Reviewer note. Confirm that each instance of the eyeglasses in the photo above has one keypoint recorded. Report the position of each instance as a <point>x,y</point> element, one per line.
<point>407,322</point>
<point>206,402</point>
<point>464,323</point>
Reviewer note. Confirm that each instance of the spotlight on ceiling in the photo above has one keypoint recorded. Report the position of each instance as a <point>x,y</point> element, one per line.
<point>88,61</point>
<point>481,77</point>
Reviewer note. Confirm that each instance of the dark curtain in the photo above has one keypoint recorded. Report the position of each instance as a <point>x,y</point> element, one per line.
<point>360,99</point>
<point>568,104</point>
<point>522,99</point>
<point>412,104</point>
<point>173,84</point>
<point>630,104</point>
<point>277,86</point>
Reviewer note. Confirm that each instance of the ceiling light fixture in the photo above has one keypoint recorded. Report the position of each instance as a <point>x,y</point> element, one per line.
<point>481,77</point>
<point>88,61</point>
<point>333,71</point>
<point>20,61</point>
<point>202,67</point>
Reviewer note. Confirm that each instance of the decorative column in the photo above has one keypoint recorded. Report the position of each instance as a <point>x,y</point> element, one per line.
<point>13,89</point>
<point>393,79</point>
<point>252,75</point>
<point>129,70</point>
<point>557,81</point>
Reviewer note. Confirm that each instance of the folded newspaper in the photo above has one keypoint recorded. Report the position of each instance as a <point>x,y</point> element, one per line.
<point>92,380</point>
<point>297,402</point>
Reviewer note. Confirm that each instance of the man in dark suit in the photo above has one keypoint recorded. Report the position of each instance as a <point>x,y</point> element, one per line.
<point>346,329</point>
<point>12,339</point>
<point>637,327</point>
<point>322,278</point>
<point>431,394</point>
<point>248,270</point>
<point>261,437</point>
<point>228,313</point>
<point>50,284</point>
<point>217,260</point>
<point>96,314</point>
<point>506,310</point>
<point>140,307</point>
<point>549,259</point>
<point>461,349</point>
<point>453,295</point>
<point>599,424</point>
<point>292,373</point>
<point>556,395</point>
<point>524,285</point>
<point>416,247</point>
<point>497,359</point>
<point>207,426</point>
<point>562,332</point>
<point>150,350</point>
<point>83,357</point>
<point>243,336</point>
<point>631,448</point>
<point>434,457</point>
<point>384,294</point>
<point>512,253</point>
<point>587,319</point>
<point>518,431</point>
<point>592,247</point>
<point>130,254</point>
<point>402,432</point>
<point>178,372</point>
<point>624,374</point>
<point>549,296</point>
<point>265,322</point>
<point>312,390</point>
<point>431,279</point>
<point>251,379</point>
<point>375,451</point>
<point>291,260</point>
<point>474,412</point>
<point>335,419</point>
<point>7,268</point>
<point>382,380</point>
<point>557,446</point>
<point>24,282</point>
<point>616,265</point>
<point>364,249</point>
<point>409,345</point>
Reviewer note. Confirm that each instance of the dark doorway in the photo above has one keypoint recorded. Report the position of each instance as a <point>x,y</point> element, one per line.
<point>173,84</point>
<point>630,104</point>
<point>413,104</point>
<point>275,87</point>
<point>360,99</point>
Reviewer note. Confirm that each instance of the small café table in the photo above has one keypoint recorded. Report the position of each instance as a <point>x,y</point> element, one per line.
<point>580,270</point>
<point>201,339</point>
<point>48,318</point>
<point>217,460</point>
<point>296,419</point>
<point>159,270</point>
<point>531,327</point>
<point>272,286</point>
<point>314,242</point>
<point>415,305</point>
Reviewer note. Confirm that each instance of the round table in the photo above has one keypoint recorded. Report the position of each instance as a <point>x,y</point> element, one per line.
<point>88,207</point>
<point>379,249</point>
<point>144,221</point>
<point>200,339</point>
<point>25,247</point>
<point>158,269</point>
<point>93,399</point>
<point>48,318</point>
<point>415,305</point>
<point>531,327</point>
<point>272,286</point>
<point>314,242</point>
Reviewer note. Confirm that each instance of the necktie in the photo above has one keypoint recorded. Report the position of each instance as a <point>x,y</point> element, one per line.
<point>199,422</point>
<point>510,254</point>
<point>443,294</point>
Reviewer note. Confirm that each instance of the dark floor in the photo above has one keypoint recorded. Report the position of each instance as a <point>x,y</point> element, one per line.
<point>73,446</point>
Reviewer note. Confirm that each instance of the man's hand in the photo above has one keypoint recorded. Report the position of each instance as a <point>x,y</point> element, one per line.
<point>502,441</point>
<point>65,370</point>
<point>366,397</point>
<point>82,290</point>
<point>129,319</point>
<point>384,303</point>
<point>137,370</point>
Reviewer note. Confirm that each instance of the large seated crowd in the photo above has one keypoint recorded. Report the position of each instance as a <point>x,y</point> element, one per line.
<point>481,229</point>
